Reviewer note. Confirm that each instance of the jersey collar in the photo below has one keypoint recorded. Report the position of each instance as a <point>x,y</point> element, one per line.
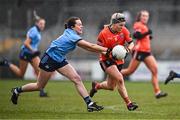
<point>110,29</point>
<point>38,28</point>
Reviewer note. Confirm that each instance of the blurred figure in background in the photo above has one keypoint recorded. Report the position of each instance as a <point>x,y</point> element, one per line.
<point>171,76</point>
<point>114,34</point>
<point>142,51</point>
<point>54,59</point>
<point>29,51</point>
<point>128,17</point>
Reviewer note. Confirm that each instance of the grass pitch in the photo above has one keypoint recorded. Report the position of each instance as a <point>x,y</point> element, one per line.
<point>65,103</point>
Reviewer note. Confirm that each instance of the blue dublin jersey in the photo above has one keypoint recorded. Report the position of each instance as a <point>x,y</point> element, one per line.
<point>35,35</point>
<point>63,45</point>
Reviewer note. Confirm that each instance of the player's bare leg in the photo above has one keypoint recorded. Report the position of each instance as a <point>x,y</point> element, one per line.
<point>152,65</point>
<point>35,64</point>
<point>72,75</point>
<point>114,79</point>
<point>43,78</point>
<point>19,71</point>
<point>133,65</point>
<point>108,84</point>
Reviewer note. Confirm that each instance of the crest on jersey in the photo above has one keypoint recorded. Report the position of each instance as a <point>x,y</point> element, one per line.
<point>121,36</point>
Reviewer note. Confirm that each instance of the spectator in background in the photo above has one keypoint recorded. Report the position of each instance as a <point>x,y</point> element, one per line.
<point>128,17</point>
<point>29,51</point>
<point>142,51</point>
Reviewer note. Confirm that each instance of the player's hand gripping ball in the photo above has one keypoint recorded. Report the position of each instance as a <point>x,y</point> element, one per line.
<point>119,52</point>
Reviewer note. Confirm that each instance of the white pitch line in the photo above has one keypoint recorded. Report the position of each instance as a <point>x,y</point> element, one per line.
<point>118,108</point>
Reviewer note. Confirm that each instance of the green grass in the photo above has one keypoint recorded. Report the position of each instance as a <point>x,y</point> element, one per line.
<point>64,102</point>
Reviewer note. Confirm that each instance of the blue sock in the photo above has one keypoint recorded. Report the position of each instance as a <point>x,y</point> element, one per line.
<point>87,100</point>
<point>19,90</point>
<point>42,91</point>
<point>177,75</point>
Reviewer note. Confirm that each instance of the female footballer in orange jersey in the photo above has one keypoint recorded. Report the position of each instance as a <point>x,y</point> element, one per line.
<point>114,34</point>
<point>142,51</point>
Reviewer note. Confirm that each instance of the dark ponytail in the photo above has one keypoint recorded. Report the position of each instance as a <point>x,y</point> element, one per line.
<point>36,17</point>
<point>70,23</point>
<point>138,17</point>
<point>65,26</point>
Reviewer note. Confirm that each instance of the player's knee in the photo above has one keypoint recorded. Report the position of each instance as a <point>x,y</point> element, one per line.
<point>21,74</point>
<point>154,71</point>
<point>76,79</point>
<point>120,80</point>
<point>36,72</point>
<point>39,86</point>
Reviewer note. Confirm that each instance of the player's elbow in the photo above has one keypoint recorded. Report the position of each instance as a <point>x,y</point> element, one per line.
<point>137,35</point>
<point>90,47</point>
<point>26,44</point>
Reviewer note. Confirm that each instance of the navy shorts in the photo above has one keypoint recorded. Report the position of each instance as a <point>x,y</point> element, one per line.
<point>140,56</point>
<point>107,63</point>
<point>26,56</point>
<point>50,65</point>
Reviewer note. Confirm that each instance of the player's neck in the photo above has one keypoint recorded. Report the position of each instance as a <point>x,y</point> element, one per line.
<point>112,30</point>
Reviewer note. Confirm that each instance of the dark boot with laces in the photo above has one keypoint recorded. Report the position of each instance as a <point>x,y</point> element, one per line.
<point>14,97</point>
<point>132,106</point>
<point>4,62</point>
<point>94,107</point>
<point>170,77</point>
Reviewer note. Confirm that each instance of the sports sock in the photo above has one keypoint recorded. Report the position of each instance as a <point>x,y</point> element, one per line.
<point>42,91</point>
<point>177,75</point>
<point>157,90</point>
<point>98,86</point>
<point>157,93</point>
<point>18,90</point>
<point>87,100</point>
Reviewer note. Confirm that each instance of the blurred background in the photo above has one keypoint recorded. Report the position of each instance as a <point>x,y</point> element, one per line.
<point>16,17</point>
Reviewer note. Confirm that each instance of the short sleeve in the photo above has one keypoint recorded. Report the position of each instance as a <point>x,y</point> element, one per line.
<point>76,38</point>
<point>31,34</point>
<point>137,27</point>
<point>100,39</point>
<point>127,35</point>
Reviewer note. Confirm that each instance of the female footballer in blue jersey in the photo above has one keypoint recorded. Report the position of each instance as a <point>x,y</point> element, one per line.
<point>54,59</point>
<point>29,51</point>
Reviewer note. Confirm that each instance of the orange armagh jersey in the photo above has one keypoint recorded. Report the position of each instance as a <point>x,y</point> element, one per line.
<point>143,44</point>
<point>107,38</point>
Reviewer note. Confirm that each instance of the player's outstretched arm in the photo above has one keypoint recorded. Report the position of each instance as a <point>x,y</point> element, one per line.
<point>91,47</point>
